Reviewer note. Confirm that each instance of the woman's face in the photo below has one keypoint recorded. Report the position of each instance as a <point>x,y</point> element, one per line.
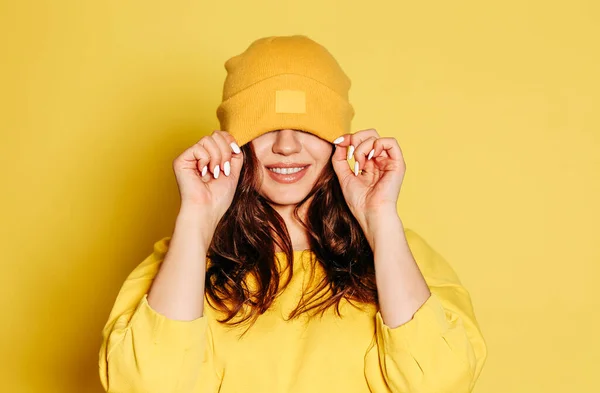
<point>281,153</point>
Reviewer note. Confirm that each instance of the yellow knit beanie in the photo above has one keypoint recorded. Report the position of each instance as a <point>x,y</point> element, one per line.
<point>285,82</point>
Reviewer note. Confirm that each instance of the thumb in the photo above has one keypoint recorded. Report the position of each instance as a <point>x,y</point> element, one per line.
<point>339,159</point>
<point>237,161</point>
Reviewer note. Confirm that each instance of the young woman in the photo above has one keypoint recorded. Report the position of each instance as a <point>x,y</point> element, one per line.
<point>288,269</point>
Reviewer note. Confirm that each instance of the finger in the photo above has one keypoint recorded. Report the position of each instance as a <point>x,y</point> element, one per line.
<point>225,150</point>
<point>346,140</point>
<point>343,140</point>
<point>358,137</point>
<point>387,150</point>
<point>339,160</point>
<point>362,151</point>
<point>193,157</point>
<point>366,133</point>
<point>237,157</point>
<point>211,146</point>
<point>203,159</point>
<point>233,146</point>
<point>390,146</point>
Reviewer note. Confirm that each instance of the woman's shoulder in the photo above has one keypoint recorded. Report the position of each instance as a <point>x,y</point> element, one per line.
<point>432,264</point>
<point>161,245</point>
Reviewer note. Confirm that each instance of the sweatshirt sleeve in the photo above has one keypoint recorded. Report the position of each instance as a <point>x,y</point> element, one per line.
<point>144,351</point>
<point>441,349</point>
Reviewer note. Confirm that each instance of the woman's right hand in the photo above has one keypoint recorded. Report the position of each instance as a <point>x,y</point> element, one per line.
<point>207,174</point>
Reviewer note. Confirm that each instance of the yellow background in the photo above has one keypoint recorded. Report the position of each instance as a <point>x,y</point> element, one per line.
<point>495,105</point>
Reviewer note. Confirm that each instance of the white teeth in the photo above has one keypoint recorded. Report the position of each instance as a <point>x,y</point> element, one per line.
<point>286,171</point>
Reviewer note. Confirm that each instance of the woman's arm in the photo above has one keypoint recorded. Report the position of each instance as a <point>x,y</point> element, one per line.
<point>428,339</point>
<point>178,289</point>
<point>401,287</point>
<point>162,343</point>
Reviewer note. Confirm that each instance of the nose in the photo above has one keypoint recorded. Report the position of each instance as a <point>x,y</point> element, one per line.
<point>286,142</point>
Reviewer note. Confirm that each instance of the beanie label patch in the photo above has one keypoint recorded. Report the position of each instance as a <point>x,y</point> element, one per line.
<point>290,101</point>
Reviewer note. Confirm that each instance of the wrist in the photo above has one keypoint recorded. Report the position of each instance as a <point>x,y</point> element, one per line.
<point>380,227</point>
<point>195,221</point>
<point>383,214</point>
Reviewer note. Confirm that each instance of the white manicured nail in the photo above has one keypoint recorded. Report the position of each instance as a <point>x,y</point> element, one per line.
<point>226,168</point>
<point>204,170</point>
<point>371,154</point>
<point>235,147</point>
<point>356,168</point>
<point>216,172</point>
<point>350,152</point>
<point>338,140</point>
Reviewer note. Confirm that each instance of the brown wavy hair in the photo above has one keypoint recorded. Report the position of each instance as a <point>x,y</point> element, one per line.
<point>243,246</point>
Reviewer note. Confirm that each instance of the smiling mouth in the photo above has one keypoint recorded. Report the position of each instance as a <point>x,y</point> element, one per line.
<point>287,171</point>
<point>287,175</point>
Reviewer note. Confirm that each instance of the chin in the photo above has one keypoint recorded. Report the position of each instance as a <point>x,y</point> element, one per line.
<point>291,196</point>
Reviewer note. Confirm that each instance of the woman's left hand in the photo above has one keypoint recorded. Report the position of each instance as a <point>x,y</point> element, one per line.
<point>373,187</point>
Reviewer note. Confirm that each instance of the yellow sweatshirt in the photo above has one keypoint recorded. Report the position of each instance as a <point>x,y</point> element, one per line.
<point>441,349</point>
